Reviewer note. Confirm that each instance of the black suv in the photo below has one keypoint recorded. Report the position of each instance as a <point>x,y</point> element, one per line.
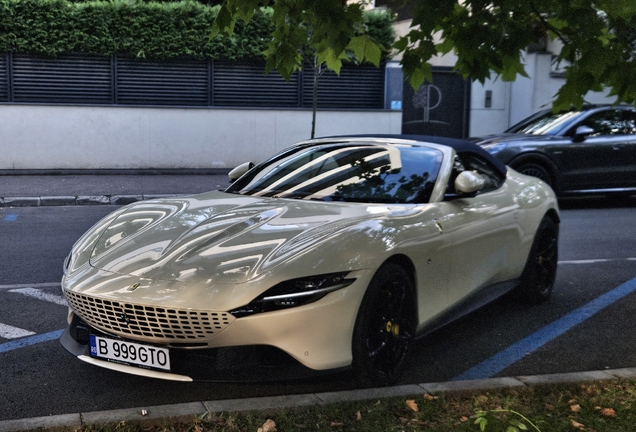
<point>591,150</point>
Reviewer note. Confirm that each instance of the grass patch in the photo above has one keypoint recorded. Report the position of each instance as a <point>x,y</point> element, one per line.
<point>587,407</point>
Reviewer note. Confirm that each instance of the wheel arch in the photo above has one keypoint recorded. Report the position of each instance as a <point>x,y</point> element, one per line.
<point>552,214</point>
<point>407,264</point>
<point>541,160</point>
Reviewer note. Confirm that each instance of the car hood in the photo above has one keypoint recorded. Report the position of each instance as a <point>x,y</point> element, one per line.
<point>218,237</point>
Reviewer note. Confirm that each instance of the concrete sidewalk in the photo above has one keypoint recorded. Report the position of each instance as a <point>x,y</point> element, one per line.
<point>190,409</point>
<point>32,188</point>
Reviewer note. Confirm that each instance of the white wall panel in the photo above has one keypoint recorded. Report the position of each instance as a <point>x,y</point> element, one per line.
<point>71,137</point>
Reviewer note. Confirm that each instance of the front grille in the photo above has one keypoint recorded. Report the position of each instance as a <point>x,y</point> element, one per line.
<point>164,324</point>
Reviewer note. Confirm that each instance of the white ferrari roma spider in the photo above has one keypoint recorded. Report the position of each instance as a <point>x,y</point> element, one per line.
<point>335,253</point>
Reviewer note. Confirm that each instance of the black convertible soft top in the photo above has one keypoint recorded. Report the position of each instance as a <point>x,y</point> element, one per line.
<point>459,145</point>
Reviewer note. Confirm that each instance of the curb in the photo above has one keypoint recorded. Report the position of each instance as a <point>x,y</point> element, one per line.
<point>46,201</point>
<point>192,409</point>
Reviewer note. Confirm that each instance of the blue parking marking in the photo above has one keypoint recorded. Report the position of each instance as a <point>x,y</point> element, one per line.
<point>11,217</point>
<point>517,351</point>
<point>31,340</point>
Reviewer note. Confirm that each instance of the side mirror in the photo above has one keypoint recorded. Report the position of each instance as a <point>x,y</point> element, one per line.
<point>240,170</point>
<point>582,132</point>
<point>469,182</point>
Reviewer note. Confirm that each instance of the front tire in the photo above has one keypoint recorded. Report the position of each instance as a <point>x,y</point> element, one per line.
<point>539,274</point>
<point>536,170</point>
<point>384,327</point>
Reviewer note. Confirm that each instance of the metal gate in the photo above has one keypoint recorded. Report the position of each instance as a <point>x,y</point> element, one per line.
<point>440,108</point>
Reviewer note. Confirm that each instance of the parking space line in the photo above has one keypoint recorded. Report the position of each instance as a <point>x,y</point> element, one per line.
<point>32,340</point>
<point>41,295</point>
<point>596,261</point>
<point>10,332</point>
<point>515,352</point>
<point>37,285</point>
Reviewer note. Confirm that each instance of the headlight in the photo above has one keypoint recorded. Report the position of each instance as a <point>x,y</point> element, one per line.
<point>67,262</point>
<point>494,148</point>
<point>294,292</point>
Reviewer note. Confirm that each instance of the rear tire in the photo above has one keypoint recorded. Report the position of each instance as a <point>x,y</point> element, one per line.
<point>384,327</point>
<point>539,274</point>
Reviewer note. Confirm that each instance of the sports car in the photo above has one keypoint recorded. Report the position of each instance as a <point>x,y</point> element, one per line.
<point>333,254</point>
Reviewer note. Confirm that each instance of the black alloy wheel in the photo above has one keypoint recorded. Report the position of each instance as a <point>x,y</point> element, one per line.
<point>384,327</point>
<point>539,274</point>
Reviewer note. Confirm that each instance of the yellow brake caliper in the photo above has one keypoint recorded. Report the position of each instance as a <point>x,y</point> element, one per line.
<point>392,328</point>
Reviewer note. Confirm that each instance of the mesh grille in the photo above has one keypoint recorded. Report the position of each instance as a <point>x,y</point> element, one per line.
<point>129,319</point>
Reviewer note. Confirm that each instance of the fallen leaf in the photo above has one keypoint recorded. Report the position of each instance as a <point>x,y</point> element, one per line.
<point>608,412</point>
<point>464,419</point>
<point>577,424</point>
<point>411,404</point>
<point>575,408</point>
<point>358,416</point>
<point>428,396</point>
<point>336,424</point>
<point>571,401</point>
<point>549,407</point>
<point>268,426</point>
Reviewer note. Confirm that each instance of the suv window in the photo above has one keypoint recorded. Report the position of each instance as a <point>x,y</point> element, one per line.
<point>610,122</point>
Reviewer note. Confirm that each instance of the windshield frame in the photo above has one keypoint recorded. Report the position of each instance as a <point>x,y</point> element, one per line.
<point>408,185</point>
<point>559,125</point>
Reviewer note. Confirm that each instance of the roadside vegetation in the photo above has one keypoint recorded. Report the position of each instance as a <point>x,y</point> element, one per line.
<point>592,407</point>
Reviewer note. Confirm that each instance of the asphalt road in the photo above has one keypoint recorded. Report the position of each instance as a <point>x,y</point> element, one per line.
<point>597,255</point>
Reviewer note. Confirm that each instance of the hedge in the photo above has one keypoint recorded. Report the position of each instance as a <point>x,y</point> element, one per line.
<point>160,30</point>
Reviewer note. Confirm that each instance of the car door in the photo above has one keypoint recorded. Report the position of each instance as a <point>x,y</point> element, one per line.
<point>604,159</point>
<point>485,235</point>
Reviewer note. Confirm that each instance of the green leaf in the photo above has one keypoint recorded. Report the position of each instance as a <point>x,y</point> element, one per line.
<point>445,46</point>
<point>417,78</point>
<point>358,46</point>
<point>481,421</point>
<point>331,59</point>
<point>372,53</point>
<point>224,22</point>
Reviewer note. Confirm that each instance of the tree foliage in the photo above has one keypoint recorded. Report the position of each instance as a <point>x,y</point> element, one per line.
<point>487,36</point>
<point>333,30</point>
<point>152,29</point>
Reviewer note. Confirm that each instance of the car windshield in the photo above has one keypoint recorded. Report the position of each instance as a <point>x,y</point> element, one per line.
<point>544,123</point>
<point>352,172</point>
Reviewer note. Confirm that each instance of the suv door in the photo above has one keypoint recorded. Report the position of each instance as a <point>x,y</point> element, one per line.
<point>605,159</point>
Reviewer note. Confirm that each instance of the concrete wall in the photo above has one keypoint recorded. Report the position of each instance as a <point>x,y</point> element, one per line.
<point>70,137</point>
<point>514,101</point>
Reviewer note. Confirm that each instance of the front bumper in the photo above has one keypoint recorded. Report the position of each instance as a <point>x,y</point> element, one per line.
<point>317,335</point>
<point>228,364</point>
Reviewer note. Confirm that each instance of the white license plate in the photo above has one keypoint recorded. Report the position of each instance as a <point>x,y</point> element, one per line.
<point>130,353</point>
